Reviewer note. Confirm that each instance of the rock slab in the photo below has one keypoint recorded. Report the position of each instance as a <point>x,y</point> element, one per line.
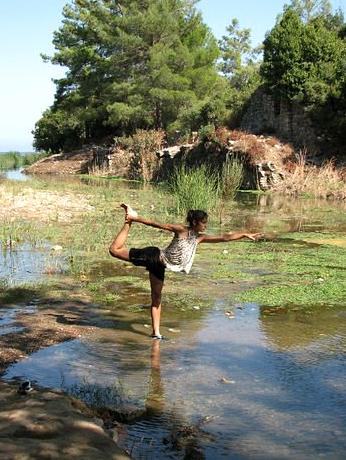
<point>50,425</point>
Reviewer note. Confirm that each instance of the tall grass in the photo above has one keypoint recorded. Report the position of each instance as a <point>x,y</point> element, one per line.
<point>194,189</point>
<point>231,178</point>
<point>15,160</point>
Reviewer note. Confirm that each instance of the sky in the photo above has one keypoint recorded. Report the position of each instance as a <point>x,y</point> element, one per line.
<point>26,31</point>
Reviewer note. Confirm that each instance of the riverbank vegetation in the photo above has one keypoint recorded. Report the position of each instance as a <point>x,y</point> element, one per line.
<point>304,179</point>
<point>16,160</point>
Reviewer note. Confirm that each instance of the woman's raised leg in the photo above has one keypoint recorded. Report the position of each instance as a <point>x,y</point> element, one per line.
<point>117,248</point>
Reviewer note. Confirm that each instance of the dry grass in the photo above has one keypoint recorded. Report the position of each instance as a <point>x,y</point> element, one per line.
<point>256,148</point>
<point>325,181</point>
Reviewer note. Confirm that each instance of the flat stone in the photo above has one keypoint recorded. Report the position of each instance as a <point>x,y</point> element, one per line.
<point>47,424</point>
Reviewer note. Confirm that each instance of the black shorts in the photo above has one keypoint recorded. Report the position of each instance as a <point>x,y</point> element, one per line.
<point>150,259</point>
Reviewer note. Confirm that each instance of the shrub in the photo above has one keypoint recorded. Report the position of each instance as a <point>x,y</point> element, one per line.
<point>144,145</point>
<point>303,179</point>
<point>194,189</point>
<point>207,133</point>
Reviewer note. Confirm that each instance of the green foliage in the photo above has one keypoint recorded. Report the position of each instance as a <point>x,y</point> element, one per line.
<point>240,66</point>
<point>57,130</point>
<point>207,133</point>
<point>303,61</point>
<point>194,189</point>
<point>15,160</point>
<point>138,65</point>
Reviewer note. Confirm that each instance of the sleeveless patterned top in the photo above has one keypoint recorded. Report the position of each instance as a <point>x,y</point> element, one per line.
<point>179,254</point>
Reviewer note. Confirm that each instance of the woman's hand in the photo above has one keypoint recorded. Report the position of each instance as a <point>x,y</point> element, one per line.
<point>253,236</point>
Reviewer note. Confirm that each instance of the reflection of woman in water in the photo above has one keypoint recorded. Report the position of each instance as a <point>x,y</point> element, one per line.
<point>178,256</point>
<point>155,400</point>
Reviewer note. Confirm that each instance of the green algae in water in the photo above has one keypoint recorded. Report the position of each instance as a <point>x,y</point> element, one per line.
<point>306,276</point>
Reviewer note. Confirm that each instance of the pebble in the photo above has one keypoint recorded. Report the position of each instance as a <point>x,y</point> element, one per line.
<point>171,329</point>
<point>230,314</point>
<point>196,307</point>
<point>226,381</point>
<point>56,248</point>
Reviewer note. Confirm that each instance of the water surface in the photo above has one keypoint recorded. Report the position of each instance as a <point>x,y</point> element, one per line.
<point>230,386</point>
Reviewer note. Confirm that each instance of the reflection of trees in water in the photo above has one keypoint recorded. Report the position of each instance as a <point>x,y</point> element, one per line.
<point>287,329</point>
<point>285,214</point>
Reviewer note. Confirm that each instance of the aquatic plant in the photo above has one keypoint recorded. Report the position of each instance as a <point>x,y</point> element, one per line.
<point>196,188</point>
<point>231,178</point>
<point>305,275</point>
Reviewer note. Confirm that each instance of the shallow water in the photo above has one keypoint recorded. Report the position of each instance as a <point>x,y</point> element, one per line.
<point>15,174</point>
<point>8,316</point>
<point>231,386</point>
<point>235,380</point>
<point>25,263</point>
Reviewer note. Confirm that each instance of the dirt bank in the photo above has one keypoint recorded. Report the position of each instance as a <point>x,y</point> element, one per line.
<point>45,424</point>
<point>42,205</point>
<point>75,162</point>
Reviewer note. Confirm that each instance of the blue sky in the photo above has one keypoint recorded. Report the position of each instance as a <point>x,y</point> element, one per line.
<point>26,30</point>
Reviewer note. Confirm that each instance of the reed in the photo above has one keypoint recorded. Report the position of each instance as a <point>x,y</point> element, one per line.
<point>325,181</point>
<point>194,189</point>
<point>231,178</point>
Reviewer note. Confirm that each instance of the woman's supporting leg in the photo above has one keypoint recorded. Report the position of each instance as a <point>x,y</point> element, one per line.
<point>156,286</point>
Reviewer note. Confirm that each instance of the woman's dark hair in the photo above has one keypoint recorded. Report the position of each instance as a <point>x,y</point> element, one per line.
<point>195,215</point>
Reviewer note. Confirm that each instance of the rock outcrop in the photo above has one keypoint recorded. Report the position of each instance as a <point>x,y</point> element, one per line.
<point>264,159</point>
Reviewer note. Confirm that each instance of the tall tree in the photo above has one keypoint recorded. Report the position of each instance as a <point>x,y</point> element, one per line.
<point>302,61</point>
<point>239,64</point>
<point>310,9</point>
<point>130,64</point>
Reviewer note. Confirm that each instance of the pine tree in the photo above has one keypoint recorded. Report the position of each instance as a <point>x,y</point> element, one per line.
<point>130,64</point>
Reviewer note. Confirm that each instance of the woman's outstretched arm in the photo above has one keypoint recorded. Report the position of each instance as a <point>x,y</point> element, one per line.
<point>175,228</point>
<point>231,236</point>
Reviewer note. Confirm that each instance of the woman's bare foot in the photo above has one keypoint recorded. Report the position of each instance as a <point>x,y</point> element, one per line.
<point>130,213</point>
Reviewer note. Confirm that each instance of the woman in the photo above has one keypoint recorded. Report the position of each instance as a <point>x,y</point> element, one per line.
<point>178,256</point>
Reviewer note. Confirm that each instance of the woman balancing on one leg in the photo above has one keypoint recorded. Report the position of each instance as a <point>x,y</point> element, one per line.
<point>178,256</point>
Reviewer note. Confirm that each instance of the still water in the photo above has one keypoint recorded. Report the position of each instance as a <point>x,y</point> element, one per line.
<point>234,380</point>
<point>25,263</point>
<point>241,386</point>
<point>14,174</point>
